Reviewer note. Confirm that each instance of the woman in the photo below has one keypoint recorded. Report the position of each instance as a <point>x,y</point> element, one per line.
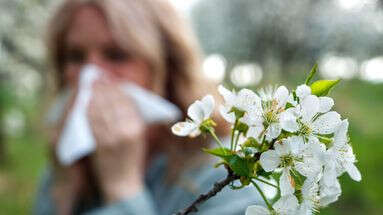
<point>137,168</point>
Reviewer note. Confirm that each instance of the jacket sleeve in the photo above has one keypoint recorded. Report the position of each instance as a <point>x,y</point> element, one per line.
<point>44,204</point>
<point>226,202</point>
<point>142,203</point>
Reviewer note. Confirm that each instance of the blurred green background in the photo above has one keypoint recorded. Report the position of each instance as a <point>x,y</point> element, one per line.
<point>248,43</point>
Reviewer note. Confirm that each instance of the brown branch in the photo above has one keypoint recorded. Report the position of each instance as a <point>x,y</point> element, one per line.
<point>218,186</point>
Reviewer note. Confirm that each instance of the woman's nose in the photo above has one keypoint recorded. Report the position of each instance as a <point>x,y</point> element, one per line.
<point>96,58</point>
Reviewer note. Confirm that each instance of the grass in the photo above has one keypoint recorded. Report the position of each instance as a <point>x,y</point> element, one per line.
<point>19,174</point>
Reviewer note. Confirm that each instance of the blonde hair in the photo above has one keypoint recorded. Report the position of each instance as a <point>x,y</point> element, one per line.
<point>151,30</point>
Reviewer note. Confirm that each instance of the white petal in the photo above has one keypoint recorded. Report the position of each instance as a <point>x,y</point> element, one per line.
<point>248,100</point>
<point>253,117</point>
<point>273,131</point>
<point>340,136</point>
<point>288,121</point>
<point>281,95</point>
<point>329,194</point>
<point>283,148</point>
<point>269,160</point>
<point>184,128</point>
<point>329,174</point>
<point>296,144</point>
<point>316,150</point>
<point>195,112</point>
<point>257,210</point>
<point>286,205</point>
<point>303,91</point>
<point>328,199</point>
<point>305,208</point>
<point>313,139</point>
<point>229,117</point>
<point>195,133</point>
<point>326,123</point>
<point>227,95</point>
<point>309,188</point>
<point>207,105</point>
<point>325,104</point>
<point>310,107</point>
<point>310,167</point>
<point>285,183</point>
<point>255,131</point>
<point>353,172</point>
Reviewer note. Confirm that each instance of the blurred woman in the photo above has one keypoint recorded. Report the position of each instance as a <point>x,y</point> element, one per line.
<point>136,168</point>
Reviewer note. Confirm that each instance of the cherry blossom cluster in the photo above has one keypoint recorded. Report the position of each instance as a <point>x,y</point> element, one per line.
<point>292,137</point>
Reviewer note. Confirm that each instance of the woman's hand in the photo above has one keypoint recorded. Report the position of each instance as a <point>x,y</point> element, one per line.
<point>119,132</point>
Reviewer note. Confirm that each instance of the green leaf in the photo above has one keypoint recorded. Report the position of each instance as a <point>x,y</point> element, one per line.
<point>263,173</point>
<point>325,140</point>
<point>238,113</point>
<point>323,87</point>
<point>240,166</point>
<point>298,179</point>
<point>312,73</point>
<point>219,152</point>
<point>288,105</point>
<point>242,127</point>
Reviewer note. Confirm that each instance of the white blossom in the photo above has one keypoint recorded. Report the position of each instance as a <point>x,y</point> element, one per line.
<point>198,112</point>
<point>284,155</point>
<point>286,205</point>
<point>329,193</point>
<point>265,120</point>
<point>244,100</point>
<point>340,157</point>
<point>302,91</point>
<point>313,156</point>
<point>310,118</point>
<point>310,198</point>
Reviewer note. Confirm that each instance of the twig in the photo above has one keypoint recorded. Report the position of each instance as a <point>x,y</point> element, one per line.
<point>218,186</point>
<point>263,195</point>
<point>265,182</point>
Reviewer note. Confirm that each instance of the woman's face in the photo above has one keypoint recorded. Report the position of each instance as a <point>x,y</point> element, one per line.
<point>90,41</point>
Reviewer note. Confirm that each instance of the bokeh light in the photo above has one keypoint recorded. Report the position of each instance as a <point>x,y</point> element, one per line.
<point>372,70</point>
<point>332,67</point>
<point>14,122</point>
<point>246,74</point>
<point>214,67</point>
<point>354,4</point>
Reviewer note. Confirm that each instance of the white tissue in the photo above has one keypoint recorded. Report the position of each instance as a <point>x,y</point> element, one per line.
<point>77,140</point>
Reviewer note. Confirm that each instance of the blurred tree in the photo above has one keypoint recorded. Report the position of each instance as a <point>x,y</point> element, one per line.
<point>22,64</point>
<point>287,33</point>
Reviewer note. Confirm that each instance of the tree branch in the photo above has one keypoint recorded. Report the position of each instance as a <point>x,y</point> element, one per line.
<point>218,186</point>
<point>12,48</point>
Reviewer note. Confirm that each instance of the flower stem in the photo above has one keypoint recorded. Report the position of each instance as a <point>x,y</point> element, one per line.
<point>263,195</point>
<point>265,182</point>
<point>216,138</point>
<point>236,141</point>
<point>232,134</point>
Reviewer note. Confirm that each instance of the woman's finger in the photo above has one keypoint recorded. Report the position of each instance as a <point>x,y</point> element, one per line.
<point>114,116</point>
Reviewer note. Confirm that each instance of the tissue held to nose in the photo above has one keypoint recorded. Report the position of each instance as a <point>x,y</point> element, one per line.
<point>100,110</point>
